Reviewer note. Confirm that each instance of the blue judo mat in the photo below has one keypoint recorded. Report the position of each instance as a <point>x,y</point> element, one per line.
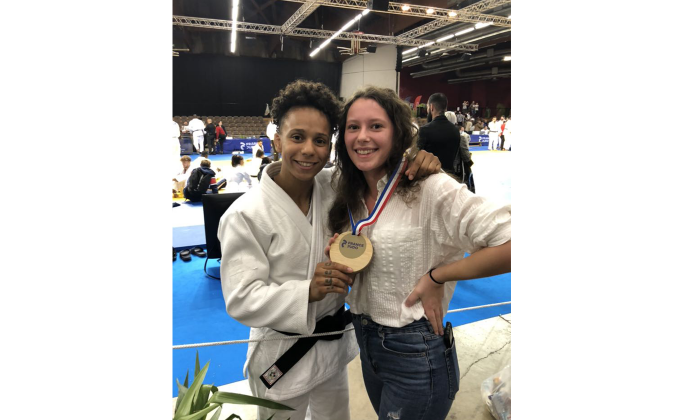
<point>199,316</point>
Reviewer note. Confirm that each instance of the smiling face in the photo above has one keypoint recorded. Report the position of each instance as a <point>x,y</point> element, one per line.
<point>368,136</point>
<point>305,137</point>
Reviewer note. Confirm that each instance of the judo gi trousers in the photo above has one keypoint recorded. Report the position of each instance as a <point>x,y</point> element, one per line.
<point>328,400</point>
<point>494,140</point>
<point>506,146</point>
<point>198,141</point>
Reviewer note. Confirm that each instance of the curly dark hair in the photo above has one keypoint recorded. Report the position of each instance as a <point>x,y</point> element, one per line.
<point>348,181</point>
<point>303,93</point>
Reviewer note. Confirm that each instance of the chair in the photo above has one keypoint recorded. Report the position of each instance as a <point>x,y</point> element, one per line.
<point>214,206</point>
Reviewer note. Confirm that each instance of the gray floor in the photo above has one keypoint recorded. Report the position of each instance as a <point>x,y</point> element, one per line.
<point>483,348</point>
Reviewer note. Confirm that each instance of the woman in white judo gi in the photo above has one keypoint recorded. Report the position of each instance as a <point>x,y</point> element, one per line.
<point>273,275</point>
<point>419,238</point>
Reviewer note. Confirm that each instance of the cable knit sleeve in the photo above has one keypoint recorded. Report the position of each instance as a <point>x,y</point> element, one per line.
<point>464,220</point>
<point>251,297</point>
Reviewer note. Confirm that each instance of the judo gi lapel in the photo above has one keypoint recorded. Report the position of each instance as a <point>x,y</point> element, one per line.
<point>285,203</point>
<point>318,240</point>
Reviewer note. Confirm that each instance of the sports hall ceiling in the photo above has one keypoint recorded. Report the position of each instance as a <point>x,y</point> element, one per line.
<point>486,49</point>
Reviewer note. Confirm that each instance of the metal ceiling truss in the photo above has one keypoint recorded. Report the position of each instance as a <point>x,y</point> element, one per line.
<point>312,33</point>
<point>304,11</point>
<point>422,11</point>
<point>437,24</point>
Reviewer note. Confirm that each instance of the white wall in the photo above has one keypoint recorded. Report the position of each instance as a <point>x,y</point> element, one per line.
<point>377,69</point>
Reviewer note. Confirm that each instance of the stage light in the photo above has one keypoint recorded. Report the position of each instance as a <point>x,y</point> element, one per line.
<point>234,18</point>
<point>464,31</point>
<point>430,11</point>
<point>452,14</point>
<point>405,8</point>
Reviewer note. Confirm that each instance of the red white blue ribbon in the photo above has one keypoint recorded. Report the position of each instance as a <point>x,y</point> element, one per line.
<point>382,200</point>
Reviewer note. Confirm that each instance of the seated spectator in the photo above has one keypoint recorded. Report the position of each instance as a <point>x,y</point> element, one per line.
<point>451,117</point>
<point>254,165</point>
<point>468,126</point>
<point>196,163</point>
<point>233,176</point>
<point>199,181</point>
<point>264,162</point>
<point>180,179</point>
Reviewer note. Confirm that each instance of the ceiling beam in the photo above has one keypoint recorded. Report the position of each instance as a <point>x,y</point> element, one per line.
<point>304,11</point>
<point>259,10</point>
<point>437,24</point>
<point>422,11</point>
<point>226,25</point>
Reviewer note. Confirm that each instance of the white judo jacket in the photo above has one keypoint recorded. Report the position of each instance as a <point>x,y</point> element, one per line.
<point>269,253</point>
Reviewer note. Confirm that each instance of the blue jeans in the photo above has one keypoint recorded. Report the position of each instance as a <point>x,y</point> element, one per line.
<point>409,372</point>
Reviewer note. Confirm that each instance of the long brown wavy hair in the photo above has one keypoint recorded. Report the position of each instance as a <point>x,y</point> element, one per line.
<point>348,181</point>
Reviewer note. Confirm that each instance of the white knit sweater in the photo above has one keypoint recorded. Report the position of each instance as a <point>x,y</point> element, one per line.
<point>438,227</point>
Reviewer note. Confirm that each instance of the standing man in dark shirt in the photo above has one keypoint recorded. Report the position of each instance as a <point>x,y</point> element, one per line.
<point>210,135</point>
<point>439,137</point>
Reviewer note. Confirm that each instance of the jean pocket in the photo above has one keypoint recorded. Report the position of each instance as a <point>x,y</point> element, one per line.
<point>405,344</point>
<point>452,371</point>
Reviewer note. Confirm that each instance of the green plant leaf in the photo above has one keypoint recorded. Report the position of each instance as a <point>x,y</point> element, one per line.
<point>231,398</point>
<point>270,418</point>
<point>180,393</point>
<point>187,378</point>
<point>186,405</point>
<point>216,415</point>
<point>201,400</point>
<point>196,364</point>
<point>198,415</point>
<point>233,416</point>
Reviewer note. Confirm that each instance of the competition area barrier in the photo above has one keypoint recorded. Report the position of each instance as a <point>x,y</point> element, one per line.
<point>230,145</point>
<point>479,140</point>
<point>294,337</point>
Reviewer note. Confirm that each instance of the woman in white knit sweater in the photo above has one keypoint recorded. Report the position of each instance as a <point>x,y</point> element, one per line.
<point>409,367</point>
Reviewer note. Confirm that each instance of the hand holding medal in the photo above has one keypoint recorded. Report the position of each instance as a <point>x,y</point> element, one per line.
<point>353,249</point>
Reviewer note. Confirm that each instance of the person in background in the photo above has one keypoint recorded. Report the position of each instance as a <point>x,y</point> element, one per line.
<point>440,136</point>
<point>460,118</point>
<point>468,126</point>
<point>180,179</point>
<point>199,181</point>
<point>494,128</point>
<point>232,177</point>
<point>258,146</point>
<point>271,130</point>
<point>501,135</point>
<point>506,133</point>
<point>220,137</point>
<point>175,134</point>
<point>196,127</point>
<point>210,135</point>
<point>263,163</point>
<point>197,162</point>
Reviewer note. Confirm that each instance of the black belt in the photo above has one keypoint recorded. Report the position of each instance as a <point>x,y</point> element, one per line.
<point>336,322</point>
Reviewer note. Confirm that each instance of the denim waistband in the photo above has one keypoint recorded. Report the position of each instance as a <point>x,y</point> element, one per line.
<point>415,326</point>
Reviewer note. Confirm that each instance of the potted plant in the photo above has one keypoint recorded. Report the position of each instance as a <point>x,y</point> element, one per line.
<point>195,402</point>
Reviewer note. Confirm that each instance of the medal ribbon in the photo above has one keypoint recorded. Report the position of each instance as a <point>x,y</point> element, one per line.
<point>382,200</point>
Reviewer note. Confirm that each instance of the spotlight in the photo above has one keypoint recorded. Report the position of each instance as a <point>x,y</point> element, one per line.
<point>452,14</point>
<point>430,11</point>
<point>405,8</point>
